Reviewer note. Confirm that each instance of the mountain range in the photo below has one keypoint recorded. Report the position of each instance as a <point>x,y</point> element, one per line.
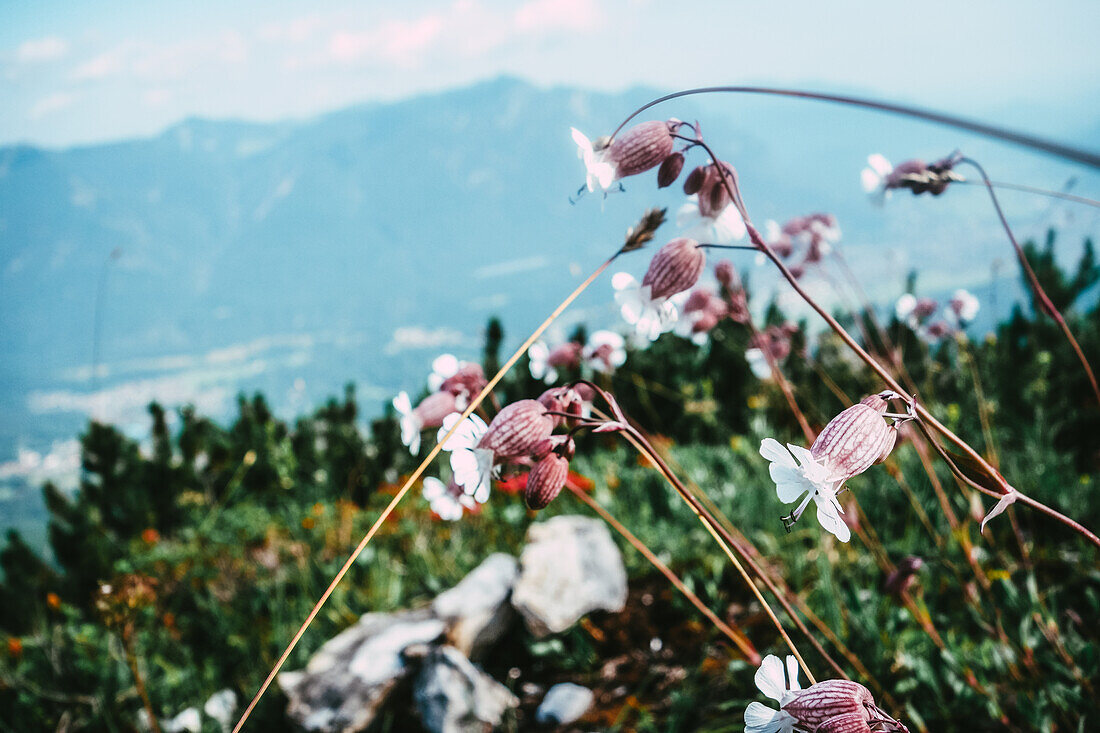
<point>294,257</point>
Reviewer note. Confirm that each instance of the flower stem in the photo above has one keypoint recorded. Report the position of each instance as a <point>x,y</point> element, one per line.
<point>737,637</point>
<point>1068,152</point>
<point>1033,280</point>
<point>411,480</point>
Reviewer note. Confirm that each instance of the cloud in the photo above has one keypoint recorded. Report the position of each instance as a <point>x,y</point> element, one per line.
<point>417,337</point>
<point>107,64</point>
<point>397,41</point>
<point>549,15</point>
<point>511,267</point>
<point>51,103</point>
<point>39,50</point>
<point>59,465</point>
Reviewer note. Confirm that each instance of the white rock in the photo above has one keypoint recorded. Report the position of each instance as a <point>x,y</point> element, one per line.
<point>569,567</point>
<point>220,707</point>
<point>563,704</point>
<point>347,680</point>
<point>477,609</point>
<point>454,696</point>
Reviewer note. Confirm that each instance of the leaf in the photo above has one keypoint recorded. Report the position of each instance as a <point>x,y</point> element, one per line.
<point>642,232</point>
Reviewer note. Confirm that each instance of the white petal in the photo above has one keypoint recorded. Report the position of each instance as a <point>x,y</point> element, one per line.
<point>623,281</point>
<point>729,226</point>
<point>402,403</point>
<point>880,164</point>
<point>829,516</point>
<point>792,673</point>
<point>870,180</point>
<point>770,678</point>
<point>758,364</point>
<point>688,214</point>
<point>433,488</point>
<point>410,432</point>
<point>582,141</point>
<point>773,450</point>
<point>759,718</point>
<point>445,365</point>
<point>905,306</point>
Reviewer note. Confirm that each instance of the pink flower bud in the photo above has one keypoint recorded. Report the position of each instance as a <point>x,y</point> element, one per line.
<point>855,440</point>
<point>567,355</point>
<point>725,273</point>
<point>545,481</point>
<point>562,399</point>
<point>924,308</point>
<point>695,180</point>
<point>699,300</point>
<point>433,408</point>
<point>640,148</point>
<point>517,429</point>
<point>675,268</point>
<point>829,699</point>
<point>469,380</point>
<point>847,723</point>
<point>714,196</point>
<point>670,170</point>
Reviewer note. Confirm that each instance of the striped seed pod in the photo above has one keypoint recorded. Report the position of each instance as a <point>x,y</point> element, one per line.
<point>825,700</point>
<point>670,170</point>
<point>856,439</point>
<point>517,430</point>
<point>433,408</point>
<point>640,148</point>
<point>847,723</point>
<point>545,481</point>
<point>675,268</point>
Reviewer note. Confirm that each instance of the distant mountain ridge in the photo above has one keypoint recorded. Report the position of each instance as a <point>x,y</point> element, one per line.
<point>294,257</point>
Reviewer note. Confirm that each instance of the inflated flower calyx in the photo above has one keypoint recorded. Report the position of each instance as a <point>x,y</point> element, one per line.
<point>670,170</point>
<point>695,180</point>
<point>546,481</point>
<point>433,408</point>
<point>517,429</point>
<point>675,268</point>
<point>828,699</point>
<point>856,439</point>
<point>640,148</point>
<point>847,723</point>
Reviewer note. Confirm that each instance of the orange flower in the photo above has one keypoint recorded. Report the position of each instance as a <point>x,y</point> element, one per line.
<point>15,647</point>
<point>53,601</point>
<point>150,536</point>
<point>308,523</point>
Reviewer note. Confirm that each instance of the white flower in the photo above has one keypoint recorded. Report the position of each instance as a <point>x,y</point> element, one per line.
<point>599,171</point>
<point>874,176</point>
<point>964,307</point>
<point>727,227</point>
<point>410,423</point>
<point>605,352</point>
<point>539,356</point>
<point>771,680</point>
<point>685,327</point>
<point>758,363</point>
<point>444,367</point>
<point>650,317</point>
<point>472,466</point>
<point>905,307</point>
<point>445,502</point>
<point>811,478</point>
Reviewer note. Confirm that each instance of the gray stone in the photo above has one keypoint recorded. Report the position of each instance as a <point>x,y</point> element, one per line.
<point>347,680</point>
<point>563,704</point>
<point>220,707</point>
<point>454,696</point>
<point>477,609</point>
<point>569,567</point>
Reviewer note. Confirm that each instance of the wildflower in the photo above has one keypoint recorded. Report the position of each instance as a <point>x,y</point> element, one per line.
<point>775,342</point>
<point>935,331</point>
<point>444,367</point>
<point>779,241</point>
<point>964,307</point>
<point>714,227</point>
<point>544,362</point>
<point>851,443</point>
<point>913,310</point>
<point>702,312</point>
<point>605,352</point>
<point>471,464</point>
<point>428,414</point>
<point>467,381</point>
<point>880,178</point>
<point>771,680</point>
<point>448,501</point>
<point>650,317</point>
<point>564,399</point>
<point>875,175</point>
<point>546,481</point>
<point>637,150</point>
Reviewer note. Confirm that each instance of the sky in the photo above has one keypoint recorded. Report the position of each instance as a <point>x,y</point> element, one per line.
<point>76,73</point>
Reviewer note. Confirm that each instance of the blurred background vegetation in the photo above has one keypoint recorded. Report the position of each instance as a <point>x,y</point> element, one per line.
<point>217,539</point>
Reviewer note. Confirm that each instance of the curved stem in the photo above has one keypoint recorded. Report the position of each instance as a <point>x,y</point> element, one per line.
<point>1028,141</point>
<point>1033,280</point>
<point>1034,190</point>
<point>729,181</point>
<point>410,481</point>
